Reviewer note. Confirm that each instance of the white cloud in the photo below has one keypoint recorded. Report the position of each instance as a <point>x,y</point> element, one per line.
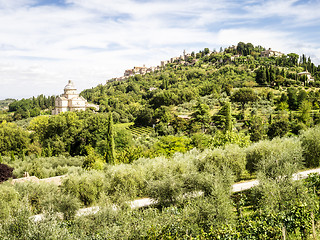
<point>91,41</point>
<point>290,11</point>
<point>274,39</point>
<point>277,40</point>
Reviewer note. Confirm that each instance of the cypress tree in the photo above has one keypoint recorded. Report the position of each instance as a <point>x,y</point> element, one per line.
<point>13,158</point>
<point>23,156</point>
<point>110,141</point>
<point>228,123</point>
<point>264,77</point>
<point>268,75</point>
<point>270,119</point>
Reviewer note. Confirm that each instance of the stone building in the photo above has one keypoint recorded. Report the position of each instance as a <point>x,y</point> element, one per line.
<point>306,73</point>
<point>71,101</point>
<point>128,73</point>
<point>138,70</point>
<point>271,53</point>
<point>164,63</point>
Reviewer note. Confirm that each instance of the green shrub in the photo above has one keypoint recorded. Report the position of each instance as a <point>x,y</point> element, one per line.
<point>284,148</point>
<point>9,199</point>
<point>17,226</point>
<point>222,139</point>
<point>168,145</point>
<point>129,154</point>
<point>232,156</point>
<point>40,196</point>
<point>166,191</point>
<point>201,141</point>
<point>204,213</point>
<point>36,169</point>
<point>124,181</point>
<point>278,129</point>
<point>92,160</point>
<point>310,140</point>
<point>20,226</point>
<point>68,205</point>
<point>87,186</point>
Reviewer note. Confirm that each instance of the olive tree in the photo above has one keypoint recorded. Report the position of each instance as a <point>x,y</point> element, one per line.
<point>310,140</point>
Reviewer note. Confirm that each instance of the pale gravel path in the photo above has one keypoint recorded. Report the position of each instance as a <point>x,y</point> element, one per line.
<point>237,187</point>
<point>144,202</point>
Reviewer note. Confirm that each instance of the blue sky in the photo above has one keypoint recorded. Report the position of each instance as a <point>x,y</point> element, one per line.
<point>44,43</point>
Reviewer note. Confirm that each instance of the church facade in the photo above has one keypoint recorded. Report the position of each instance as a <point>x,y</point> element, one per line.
<point>71,101</point>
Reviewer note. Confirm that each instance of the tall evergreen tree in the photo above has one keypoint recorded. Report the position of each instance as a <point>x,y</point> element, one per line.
<point>264,76</point>
<point>227,115</point>
<point>110,141</point>
<point>12,157</point>
<point>268,75</point>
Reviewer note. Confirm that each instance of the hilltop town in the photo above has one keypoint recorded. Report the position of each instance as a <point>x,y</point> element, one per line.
<point>188,59</point>
<point>183,59</point>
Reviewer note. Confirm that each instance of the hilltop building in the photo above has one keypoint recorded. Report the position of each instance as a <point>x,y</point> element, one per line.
<point>136,70</point>
<point>309,77</point>
<point>271,53</point>
<point>71,101</point>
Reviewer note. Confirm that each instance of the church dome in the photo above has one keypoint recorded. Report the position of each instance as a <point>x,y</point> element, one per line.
<point>70,86</point>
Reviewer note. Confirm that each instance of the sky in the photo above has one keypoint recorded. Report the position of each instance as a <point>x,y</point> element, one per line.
<point>45,43</point>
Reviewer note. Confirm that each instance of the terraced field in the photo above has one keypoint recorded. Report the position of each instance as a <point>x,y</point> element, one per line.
<point>140,130</point>
<point>137,131</point>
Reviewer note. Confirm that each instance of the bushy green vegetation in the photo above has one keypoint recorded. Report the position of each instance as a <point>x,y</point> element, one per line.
<point>31,107</point>
<point>213,99</point>
<point>181,136</point>
<point>192,193</point>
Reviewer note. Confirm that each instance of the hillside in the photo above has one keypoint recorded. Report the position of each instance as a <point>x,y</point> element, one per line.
<point>200,96</point>
<point>182,135</point>
<point>284,83</point>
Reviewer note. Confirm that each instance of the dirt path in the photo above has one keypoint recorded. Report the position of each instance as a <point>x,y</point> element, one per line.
<point>144,202</point>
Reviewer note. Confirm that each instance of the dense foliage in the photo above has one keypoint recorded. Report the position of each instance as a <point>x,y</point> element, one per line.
<point>31,107</point>
<point>181,136</point>
<point>192,192</point>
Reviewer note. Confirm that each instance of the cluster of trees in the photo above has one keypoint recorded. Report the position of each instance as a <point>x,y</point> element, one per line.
<point>13,138</point>
<point>72,132</point>
<point>193,193</point>
<point>31,107</point>
<point>95,136</point>
<point>86,133</point>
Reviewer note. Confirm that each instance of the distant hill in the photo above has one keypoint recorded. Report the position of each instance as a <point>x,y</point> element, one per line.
<point>4,104</point>
<point>211,76</point>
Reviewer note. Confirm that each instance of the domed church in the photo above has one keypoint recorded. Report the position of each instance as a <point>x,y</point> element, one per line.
<point>71,101</point>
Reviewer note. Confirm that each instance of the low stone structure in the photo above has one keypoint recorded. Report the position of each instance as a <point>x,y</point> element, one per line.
<point>52,180</point>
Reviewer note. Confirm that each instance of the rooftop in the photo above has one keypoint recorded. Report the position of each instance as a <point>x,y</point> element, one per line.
<point>70,86</point>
